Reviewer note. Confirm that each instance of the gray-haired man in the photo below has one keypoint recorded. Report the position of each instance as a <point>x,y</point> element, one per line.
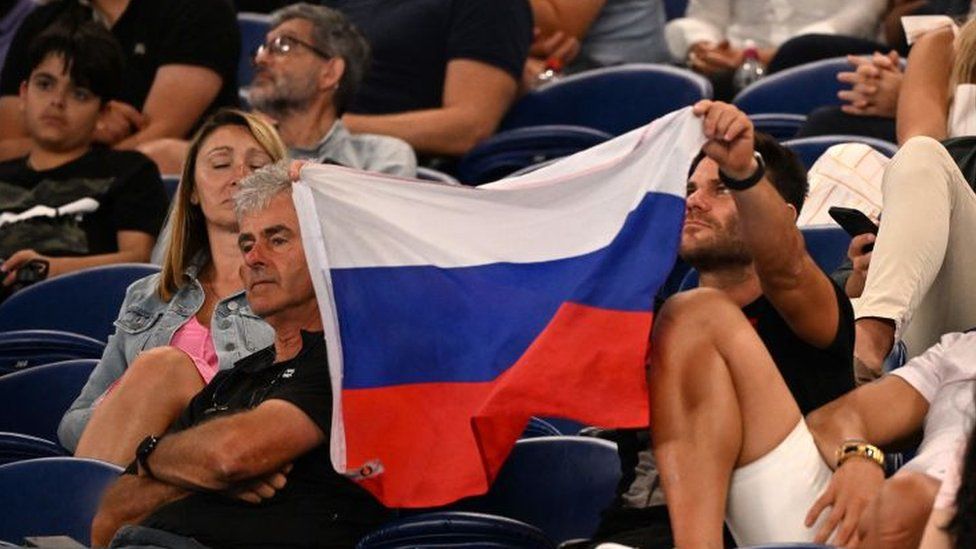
<point>247,464</point>
<point>305,74</point>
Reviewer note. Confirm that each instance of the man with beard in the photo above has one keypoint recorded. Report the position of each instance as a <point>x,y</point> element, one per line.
<point>305,75</point>
<point>758,283</point>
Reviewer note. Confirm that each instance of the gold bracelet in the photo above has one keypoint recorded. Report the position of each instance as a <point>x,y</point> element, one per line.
<point>859,448</point>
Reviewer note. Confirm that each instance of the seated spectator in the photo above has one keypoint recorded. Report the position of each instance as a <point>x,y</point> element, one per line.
<point>196,304</point>
<point>918,276</point>
<point>596,33</point>
<point>444,71</point>
<point>938,87</point>
<point>12,14</point>
<point>732,444</point>
<point>247,463</point>
<point>801,323</point>
<point>951,523</point>
<point>711,36</point>
<point>67,202</point>
<point>305,75</point>
<point>181,64</point>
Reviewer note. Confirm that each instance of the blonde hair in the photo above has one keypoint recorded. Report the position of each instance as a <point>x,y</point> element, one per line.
<point>964,57</point>
<point>188,236</point>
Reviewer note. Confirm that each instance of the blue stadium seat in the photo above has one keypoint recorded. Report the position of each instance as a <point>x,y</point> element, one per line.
<point>21,349</point>
<point>809,149</point>
<point>52,496</point>
<point>565,426</point>
<point>33,401</point>
<point>85,302</point>
<point>508,151</point>
<point>557,484</point>
<point>781,126</point>
<point>613,99</point>
<point>171,182</point>
<point>19,447</point>
<point>674,9</point>
<point>455,530</point>
<point>538,427</point>
<point>430,174</point>
<point>797,90</point>
<point>827,245</point>
<point>254,27</point>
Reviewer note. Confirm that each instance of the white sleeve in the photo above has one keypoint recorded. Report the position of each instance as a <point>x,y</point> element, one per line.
<point>859,18</point>
<point>703,22</point>
<point>928,371</point>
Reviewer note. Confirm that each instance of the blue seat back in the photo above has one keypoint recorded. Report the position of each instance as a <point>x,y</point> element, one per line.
<point>509,151</point>
<point>254,27</point>
<point>614,99</point>
<point>52,496</point>
<point>22,349</point>
<point>809,149</point>
<point>796,90</point>
<point>19,447</point>
<point>448,529</point>
<point>33,401</point>
<point>559,484</point>
<point>85,302</point>
<point>171,182</point>
<point>674,9</point>
<point>781,126</point>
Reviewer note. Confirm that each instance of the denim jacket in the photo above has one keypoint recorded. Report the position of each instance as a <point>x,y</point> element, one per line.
<point>145,322</point>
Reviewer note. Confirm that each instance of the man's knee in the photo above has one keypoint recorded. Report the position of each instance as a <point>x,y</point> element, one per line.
<point>903,506</point>
<point>701,310</point>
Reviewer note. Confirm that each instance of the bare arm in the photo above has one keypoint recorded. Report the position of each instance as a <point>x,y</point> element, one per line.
<point>221,454</point>
<point>129,501</point>
<point>134,247</point>
<point>573,17</point>
<point>935,537</point>
<point>179,96</point>
<point>790,279</point>
<point>476,96</point>
<point>923,104</point>
<point>867,413</point>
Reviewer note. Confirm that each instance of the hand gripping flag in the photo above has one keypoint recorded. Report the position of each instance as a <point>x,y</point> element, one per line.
<point>453,314</point>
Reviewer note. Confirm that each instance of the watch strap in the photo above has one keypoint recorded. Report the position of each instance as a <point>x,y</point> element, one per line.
<point>749,182</point>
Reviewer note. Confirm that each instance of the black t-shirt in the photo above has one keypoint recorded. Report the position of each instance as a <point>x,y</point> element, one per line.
<point>77,208</point>
<point>413,41</point>
<point>153,33</point>
<point>814,376</point>
<point>317,507</point>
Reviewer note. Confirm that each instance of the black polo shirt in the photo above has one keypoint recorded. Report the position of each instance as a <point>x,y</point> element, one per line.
<point>152,33</point>
<point>317,507</point>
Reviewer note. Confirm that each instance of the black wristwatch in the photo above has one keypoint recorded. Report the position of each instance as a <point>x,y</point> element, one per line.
<point>749,182</point>
<point>144,450</point>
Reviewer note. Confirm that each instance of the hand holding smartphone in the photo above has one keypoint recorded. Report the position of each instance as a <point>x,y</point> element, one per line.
<point>855,222</point>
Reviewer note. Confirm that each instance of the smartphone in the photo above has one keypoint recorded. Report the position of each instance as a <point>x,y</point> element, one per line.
<point>855,222</point>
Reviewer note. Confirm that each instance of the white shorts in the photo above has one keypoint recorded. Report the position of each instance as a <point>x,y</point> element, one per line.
<point>770,497</point>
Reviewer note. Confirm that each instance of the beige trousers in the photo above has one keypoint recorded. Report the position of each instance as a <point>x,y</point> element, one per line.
<point>923,269</point>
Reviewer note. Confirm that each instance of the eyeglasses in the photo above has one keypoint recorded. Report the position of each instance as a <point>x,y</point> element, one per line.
<point>281,45</point>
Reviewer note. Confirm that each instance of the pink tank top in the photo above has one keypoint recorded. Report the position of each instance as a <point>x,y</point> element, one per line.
<point>194,339</point>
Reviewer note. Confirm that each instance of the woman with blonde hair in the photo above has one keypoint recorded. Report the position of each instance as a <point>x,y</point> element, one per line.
<point>176,329</point>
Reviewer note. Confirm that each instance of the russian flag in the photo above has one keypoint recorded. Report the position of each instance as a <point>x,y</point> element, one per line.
<point>453,314</point>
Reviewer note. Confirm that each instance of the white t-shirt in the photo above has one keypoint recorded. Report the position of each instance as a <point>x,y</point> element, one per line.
<point>944,375</point>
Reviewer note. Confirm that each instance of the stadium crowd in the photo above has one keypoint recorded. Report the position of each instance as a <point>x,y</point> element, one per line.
<point>778,399</point>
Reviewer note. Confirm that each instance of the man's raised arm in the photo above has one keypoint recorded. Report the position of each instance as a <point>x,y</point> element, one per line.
<point>790,279</point>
